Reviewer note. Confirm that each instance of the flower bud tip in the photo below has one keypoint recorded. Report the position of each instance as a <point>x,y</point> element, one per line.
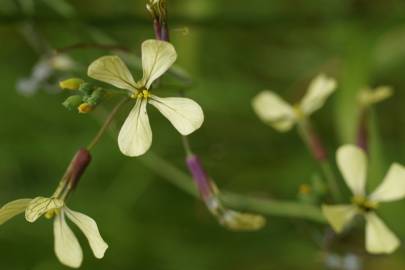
<point>71,84</point>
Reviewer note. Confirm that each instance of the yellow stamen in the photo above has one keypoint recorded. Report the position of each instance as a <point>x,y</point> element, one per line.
<point>364,203</point>
<point>51,213</point>
<point>298,111</point>
<point>141,94</point>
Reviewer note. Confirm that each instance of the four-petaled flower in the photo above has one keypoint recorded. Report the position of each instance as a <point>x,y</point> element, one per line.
<point>135,137</point>
<point>67,247</point>
<point>352,162</point>
<point>274,111</point>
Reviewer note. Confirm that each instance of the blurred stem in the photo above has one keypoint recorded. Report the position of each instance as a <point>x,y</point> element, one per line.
<point>259,205</point>
<point>315,146</point>
<point>186,145</point>
<point>106,124</point>
<point>356,72</point>
<point>331,179</point>
<point>377,159</point>
<point>82,45</point>
<point>362,130</point>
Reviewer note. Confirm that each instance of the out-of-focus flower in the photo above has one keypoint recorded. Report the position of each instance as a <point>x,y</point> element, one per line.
<point>135,137</point>
<point>43,71</point>
<point>352,162</point>
<point>343,262</point>
<point>368,97</point>
<point>273,110</point>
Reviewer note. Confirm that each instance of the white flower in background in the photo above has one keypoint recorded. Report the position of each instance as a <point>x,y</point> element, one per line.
<point>352,162</point>
<point>273,110</point>
<point>42,71</point>
<point>135,137</point>
<point>368,97</point>
<point>67,247</point>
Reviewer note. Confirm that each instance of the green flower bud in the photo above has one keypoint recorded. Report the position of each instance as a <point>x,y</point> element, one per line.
<point>86,88</point>
<point>72,102</point>
<point>95,98</point>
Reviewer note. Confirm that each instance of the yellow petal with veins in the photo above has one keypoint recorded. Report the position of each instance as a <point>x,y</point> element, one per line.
<point>12,209</point>
<point>41,205</point>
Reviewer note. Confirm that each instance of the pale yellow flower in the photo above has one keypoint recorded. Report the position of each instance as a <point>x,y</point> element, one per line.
<point>273,110</point>
<point>352,162</point>
<point>368,97</point>
<point>67,247</point>
<point>135,137</point>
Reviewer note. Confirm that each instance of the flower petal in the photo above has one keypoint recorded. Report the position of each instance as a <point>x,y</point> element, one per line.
<point>112,70</point>
<point>135,136</point>
<point>274,111</point>
<point>67,247</point>
<point>319,90</point>
<point>379,238</point>
<point>39,206</point>
<point>339,216</point>
<point>393,186</point>
<point>184,114</point>
<point>352,162</point>
<point>89,227</point>
<point>12,209</point>
<point>157,57</point>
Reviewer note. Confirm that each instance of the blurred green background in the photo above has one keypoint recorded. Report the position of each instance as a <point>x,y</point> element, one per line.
<point>233,49</point>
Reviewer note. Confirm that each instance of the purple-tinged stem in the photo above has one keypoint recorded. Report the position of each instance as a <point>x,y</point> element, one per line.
<point>200,177</point>
<point>313,141</point>
<point>157,29</point>
<point>78,166</point>
<point>362,131</point>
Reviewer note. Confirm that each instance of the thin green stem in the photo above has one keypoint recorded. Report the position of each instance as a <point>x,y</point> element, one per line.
<point>258,205</point>
<point>331,180</point>
<point>186,145</point>
<point>314,144</point>
<point>106,124</point>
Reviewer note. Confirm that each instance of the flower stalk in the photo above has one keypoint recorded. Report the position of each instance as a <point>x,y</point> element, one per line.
<point>106,124</point>
<point>265,206</point>
<point>366,99</point>
<point>158,10</point>
<point>316,148</point>
<point>362,131</point>
<point>209,193</point>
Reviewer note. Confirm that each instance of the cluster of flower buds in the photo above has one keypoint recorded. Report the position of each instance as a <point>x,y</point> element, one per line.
<point>86,100</point>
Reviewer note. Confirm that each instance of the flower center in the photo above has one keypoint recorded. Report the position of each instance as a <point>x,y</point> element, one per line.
<point>141,94</point>
<point>364,204</point>
<point>298,111</point>
<point>51,213</point>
